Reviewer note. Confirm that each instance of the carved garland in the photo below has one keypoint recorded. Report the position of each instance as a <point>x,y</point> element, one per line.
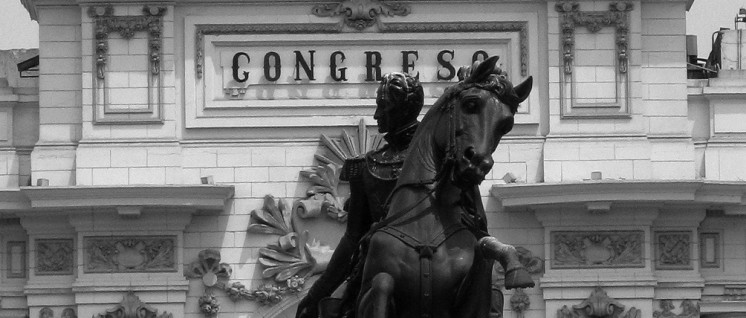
<point>130,254</point>
<point>105,22</point>
<point>306,28</point>
<point>54,257</point>
<point>597,249</point>
<point>361,14</point>
<point>571,17</point>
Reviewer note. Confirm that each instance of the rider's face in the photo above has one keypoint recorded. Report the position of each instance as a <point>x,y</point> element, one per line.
<point>384,113</point>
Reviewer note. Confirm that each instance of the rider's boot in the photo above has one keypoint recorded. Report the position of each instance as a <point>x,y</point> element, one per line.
<point>516,275</point>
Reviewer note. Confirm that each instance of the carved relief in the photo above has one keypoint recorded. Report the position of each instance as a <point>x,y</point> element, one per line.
<point>571,17</point>
<point>597,249</point>
<point>598,305</point>
<point>209,268</point>
<point>54,257</point>
<point>106,22</point>
<point>519,302</point>
<point>130,254</point>
<point>132,307</point>
<point>735,293</point>
<point>673,250</point>
<point>46,312</point>
<point>689,309</point>
<point>361,14</point>
<point>69,313</point>
<point>521,27</point>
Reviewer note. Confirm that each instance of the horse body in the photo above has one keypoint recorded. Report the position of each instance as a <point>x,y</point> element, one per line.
<point>420,260</point>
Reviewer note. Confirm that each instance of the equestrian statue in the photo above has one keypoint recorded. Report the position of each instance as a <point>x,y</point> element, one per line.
<point>419,245</point>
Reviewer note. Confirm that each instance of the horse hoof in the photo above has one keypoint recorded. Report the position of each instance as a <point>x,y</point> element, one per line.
<point>518,278</point>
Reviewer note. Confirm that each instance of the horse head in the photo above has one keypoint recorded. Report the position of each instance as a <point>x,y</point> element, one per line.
<point>481,107</point>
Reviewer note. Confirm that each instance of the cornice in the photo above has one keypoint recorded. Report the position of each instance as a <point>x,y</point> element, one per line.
<point>13,200</point>
<point>129,199</point>
<point>729,196</point>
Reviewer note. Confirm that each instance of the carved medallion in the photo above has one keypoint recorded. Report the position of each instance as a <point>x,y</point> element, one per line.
<point>597,249</point>
<point>673,250</point>
<point>361,14</point>
<point>54,257</point>
<point>132,307</point>
<point>46,312</point>
<point>130,254</point>
<point>598,305</point>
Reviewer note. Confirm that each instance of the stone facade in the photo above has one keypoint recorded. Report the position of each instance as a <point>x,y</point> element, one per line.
<point>136,176</point>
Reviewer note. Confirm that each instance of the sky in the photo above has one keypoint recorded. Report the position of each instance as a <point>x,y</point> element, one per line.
<point>705,17</point>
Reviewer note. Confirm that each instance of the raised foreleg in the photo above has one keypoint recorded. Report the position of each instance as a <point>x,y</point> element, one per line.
<point>516,276</point>
<point>377,301</point>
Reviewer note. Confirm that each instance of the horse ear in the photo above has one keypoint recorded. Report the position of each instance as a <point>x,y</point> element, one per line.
<point>523,89</point>
<point>483,70</point>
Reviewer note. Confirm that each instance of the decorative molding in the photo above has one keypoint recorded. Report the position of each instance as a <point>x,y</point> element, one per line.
<point>597,249</point>
<point>209,268</point>
<point>132,307</point>
<point>16,256</point>
<point>598,305</point>
<point>709,244</point>
<point>361,14</point>
<point>734,293</point>
<point>617,17</point>
<point>46,312</point>
<point>673,250</point>
<point>616,104</point>
<point>689,309</point>
<point>54,257</point>
<point>521,27</point>
<point>69,313</point>
<point>127,254</point>
<point>106,22</point>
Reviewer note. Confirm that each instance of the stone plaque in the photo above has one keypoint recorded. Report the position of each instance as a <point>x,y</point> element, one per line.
<point>709,250</point>
<point>597,249</point>
<point>16,256</point>
<point>54,257</point>
<point>672,250</point>
<point>117,254</point>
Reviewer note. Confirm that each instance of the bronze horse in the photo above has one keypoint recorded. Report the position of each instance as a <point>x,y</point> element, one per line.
<point>422,260</point>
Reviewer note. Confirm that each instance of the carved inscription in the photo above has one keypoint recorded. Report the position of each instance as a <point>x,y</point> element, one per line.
<point>673,250</point>
<point>130,254</point>
<point>597,249</point>
<point>54,257</point>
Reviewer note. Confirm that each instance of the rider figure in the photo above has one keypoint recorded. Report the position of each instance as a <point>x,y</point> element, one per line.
<point>372,178</point>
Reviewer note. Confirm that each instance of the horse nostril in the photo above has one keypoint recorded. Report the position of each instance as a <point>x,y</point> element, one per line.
<point>469,153</point>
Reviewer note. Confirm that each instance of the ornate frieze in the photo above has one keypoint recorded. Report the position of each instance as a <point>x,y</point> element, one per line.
<point>361,14</point>
<point>673,250</point>
<point>689,309</point>
<point>598,305</point>
<point>617,17</point>
<point>106,22</point>
<point>598,249</point>
<point>54,257</point>
<point>116,254</point>
<point>132,307</point>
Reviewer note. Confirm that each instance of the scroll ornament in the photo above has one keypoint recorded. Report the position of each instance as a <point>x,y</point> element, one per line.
<point>598,305</point>
<point>361,14</point>
<point>132,307</point>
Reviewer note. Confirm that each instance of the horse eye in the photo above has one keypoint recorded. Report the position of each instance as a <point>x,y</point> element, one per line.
<point>470,105</point>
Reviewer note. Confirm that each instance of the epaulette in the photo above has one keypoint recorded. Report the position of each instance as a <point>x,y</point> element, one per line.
<point>352,170</point>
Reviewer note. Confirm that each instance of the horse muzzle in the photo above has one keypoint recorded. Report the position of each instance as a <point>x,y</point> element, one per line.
<point>472,167</point>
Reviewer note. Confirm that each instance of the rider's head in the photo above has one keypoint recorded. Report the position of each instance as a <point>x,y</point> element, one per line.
<point>399,101</point>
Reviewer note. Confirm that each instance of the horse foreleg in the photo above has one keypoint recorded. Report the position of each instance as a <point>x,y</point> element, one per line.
<point>376,303</point>
<point>516,276</point>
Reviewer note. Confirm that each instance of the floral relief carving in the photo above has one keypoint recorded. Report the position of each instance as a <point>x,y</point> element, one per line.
<point>571,17</point>
<point>689,309</point>
<point>598,305</point>
<point>130,254</point>
<point>54,257</point>
<point>132,307</point>
<point>209,268</point>
<point>673,250</point>
<point>361,14</point>
<point>106,22</point>
<point>597,249</point>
